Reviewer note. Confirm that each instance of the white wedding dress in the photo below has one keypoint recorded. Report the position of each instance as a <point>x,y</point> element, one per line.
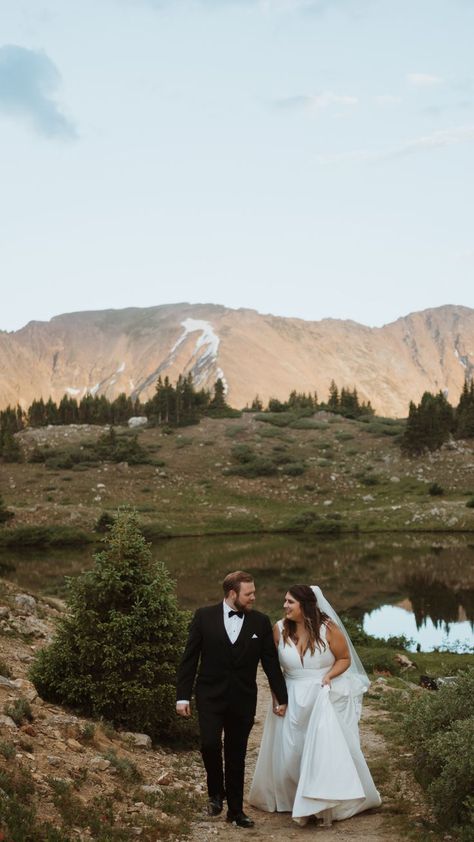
<point>310,760</point>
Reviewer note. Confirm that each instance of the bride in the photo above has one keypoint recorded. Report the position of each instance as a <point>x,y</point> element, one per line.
<point>310,761</point>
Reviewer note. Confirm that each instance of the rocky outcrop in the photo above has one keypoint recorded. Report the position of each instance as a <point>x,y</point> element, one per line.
<point>113,351</point>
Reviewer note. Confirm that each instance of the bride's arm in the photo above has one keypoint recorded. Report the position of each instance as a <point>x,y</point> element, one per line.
<point>278,709</point>
<point>339,648</point>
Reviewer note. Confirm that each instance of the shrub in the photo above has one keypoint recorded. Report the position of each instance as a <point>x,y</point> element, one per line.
<point>293,469</point>
<point>470,503</point>
<point>243,453</point>
<point>259,467</point>
<point>116,652</point>
<point>5,514</point>
<point>103,522</point>
<point>370,479</point>
<point>435,489</point>
<point>440,727</point>
<point>19,710</point>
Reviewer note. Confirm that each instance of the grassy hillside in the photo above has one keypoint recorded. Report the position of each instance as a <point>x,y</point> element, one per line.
<point>323,474</point>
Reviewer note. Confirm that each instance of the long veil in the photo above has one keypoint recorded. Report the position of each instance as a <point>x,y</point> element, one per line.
<point>356,674</point>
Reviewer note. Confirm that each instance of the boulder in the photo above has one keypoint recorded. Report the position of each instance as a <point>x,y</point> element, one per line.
<point>25,603</point>
<point>137,421</point>
<point>137,740</point>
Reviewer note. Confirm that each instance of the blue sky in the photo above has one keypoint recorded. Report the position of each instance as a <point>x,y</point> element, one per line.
<point>308,158</point>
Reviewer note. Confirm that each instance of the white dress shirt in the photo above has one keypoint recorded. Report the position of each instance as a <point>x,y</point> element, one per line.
<point>233,625</point>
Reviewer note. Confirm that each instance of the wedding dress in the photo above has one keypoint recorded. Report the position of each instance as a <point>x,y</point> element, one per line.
<point>310,761</point>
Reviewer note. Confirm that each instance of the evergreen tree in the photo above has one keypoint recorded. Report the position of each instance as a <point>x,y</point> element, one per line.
<point>10,448</point>
<point>429,424</point>
<point>37,413</point>
<point>117,649</point>
<point>333,400</point>
<point>256,405</point>
<point>464,416</point>
<point>218,402</point>
<point>51,415</point>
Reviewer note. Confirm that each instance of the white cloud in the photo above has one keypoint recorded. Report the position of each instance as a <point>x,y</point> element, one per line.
<point>424,80</point>
<point>317,102</point>
<point>439,139</point>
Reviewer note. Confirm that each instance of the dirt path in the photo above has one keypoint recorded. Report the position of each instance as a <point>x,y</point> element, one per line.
<point>373,826</point>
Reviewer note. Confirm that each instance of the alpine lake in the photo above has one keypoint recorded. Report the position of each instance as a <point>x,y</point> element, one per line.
<point>418,585</point>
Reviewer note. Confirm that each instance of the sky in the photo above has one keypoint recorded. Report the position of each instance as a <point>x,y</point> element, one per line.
<point>306,158</point>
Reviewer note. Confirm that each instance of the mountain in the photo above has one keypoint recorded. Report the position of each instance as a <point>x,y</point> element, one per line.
<point>113,351</point>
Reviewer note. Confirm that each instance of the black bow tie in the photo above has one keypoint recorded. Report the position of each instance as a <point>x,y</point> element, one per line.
<point>236,614</point>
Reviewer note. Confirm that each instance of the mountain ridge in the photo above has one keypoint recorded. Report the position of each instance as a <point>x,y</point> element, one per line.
<point>125,350</point>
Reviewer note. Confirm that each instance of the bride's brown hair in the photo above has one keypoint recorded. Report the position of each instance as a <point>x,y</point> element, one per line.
<point>313,617</point>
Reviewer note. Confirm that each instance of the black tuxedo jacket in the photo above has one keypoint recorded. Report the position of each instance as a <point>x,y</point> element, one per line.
<point>227,673</point>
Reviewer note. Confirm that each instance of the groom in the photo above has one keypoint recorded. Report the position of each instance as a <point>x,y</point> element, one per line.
<point>229,640</point>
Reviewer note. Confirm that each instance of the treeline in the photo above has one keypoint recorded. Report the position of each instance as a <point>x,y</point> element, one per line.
<point>341,402</point>
<point>174,406</point>
<point>434,420</point>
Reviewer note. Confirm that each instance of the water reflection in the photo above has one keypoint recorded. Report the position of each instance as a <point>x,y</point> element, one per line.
<point>394,620</point>
<point>357,574</point>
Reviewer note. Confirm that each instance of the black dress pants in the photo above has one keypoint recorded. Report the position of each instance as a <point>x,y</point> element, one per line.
<point>225,779</point>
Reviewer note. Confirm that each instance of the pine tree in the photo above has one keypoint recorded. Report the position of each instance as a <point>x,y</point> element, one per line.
<point>117,649</point>
<point>464,416</point>
<point>333,400</point>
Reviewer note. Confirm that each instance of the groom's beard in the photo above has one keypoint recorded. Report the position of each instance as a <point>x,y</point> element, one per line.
<point>245,608</point>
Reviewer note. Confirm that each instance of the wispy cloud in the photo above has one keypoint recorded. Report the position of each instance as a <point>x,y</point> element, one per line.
<point>317,102</point>
<point>387,99</point>
<point>28,83</point>
<point>440,139</point>
<point>424,80</point>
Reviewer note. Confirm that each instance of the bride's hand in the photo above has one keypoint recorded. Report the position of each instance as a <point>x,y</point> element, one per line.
<point>326,681</point>
<point>279,710</point>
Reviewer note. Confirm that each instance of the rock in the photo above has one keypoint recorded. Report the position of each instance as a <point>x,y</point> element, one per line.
<point>394,479</point>
<point>5,682</point>
<point>31,625</point>
<point>165,779</point>
<point>8,722</point>
<point>26,688</point>
<point>137,831</point>
<point>4,612</point>
<point>137,740</point>
<point>25,603</point>
<point>74,745</point>
<point>327,503</point>
<point>53,760</point>
<point>99,764</point>
<point>151,789</point>
<point>404,661</point>
<point>28,729</point>
<point>367,498</point>
<point>122,467</point>
<point>137,421</point>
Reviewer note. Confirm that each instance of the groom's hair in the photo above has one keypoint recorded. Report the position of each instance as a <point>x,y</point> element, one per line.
<point>233,581</point>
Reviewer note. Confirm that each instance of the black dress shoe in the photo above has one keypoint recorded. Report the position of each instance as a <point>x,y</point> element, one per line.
<point>215,805</point>
<point>240,820</point>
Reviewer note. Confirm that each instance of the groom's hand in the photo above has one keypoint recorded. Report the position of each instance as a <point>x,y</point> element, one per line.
<point>183,709</point>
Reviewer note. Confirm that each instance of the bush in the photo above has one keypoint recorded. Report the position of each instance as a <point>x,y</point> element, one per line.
<point>470,503</point>
<point>19,710</point>
<point>293,469</point>
<point>116,652</point>
<point>440,728</point>
<point>259,467</point>
<point>5,514</point>
<point>435,489</point>
<point>104,522</point>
